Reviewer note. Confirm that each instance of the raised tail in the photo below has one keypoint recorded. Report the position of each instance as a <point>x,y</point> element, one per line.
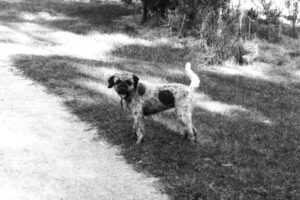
<point>195,81</point>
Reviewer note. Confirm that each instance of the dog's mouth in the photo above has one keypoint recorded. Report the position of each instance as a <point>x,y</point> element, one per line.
<point>123,93</point>
<point>123,96</point>
<point>123,90</point>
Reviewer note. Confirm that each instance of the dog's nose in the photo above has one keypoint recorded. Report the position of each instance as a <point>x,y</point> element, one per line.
<point>122,89</point>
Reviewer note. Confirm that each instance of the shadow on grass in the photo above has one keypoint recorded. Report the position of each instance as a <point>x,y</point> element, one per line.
<point>162,53</point>
<point>80,18</point>
<point>249,161</point>
<point>278,102</point>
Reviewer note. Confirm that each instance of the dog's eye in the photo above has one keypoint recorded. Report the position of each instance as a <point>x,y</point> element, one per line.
<point>129,82</point>
<point>118,81</point>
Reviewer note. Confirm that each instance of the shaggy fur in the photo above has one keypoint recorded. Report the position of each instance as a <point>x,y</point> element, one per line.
<point>145,100</point>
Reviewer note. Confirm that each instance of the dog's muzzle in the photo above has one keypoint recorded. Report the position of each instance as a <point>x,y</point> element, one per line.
<point>123,92</point>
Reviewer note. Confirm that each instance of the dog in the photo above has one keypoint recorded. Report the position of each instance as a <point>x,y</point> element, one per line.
<point>145,100</point>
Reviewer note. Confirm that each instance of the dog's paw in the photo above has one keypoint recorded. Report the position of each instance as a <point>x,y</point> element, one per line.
<point>139,140</point>
<point>133,136</point>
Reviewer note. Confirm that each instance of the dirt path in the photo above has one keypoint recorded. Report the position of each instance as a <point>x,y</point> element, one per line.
<point>46,153</point>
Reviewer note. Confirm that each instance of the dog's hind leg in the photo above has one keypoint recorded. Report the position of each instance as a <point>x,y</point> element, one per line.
<point>185,118</point>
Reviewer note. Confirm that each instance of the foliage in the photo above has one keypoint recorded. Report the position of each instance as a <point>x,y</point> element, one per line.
<point>253,26</point>
<point>221,27</point>
<point>204,20</point>
<point>264,24</point>
<point>156,7</point>
<point>272,14</point>
<point>293,6</point>
<point>194,13</point>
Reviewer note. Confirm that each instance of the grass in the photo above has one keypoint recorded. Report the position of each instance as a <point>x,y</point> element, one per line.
<point>276,54</point>
<point>162,53</point>
<point>248,159</point>
<point>80,17</point>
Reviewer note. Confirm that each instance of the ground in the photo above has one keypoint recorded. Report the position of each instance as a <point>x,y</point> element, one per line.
<point>46,153</point>
<point>65,136</point>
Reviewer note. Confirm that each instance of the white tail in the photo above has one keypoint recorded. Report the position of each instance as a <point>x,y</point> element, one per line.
<point>195,81</point>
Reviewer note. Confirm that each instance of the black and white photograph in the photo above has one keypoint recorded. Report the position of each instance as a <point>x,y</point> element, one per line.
<point>149,99</point>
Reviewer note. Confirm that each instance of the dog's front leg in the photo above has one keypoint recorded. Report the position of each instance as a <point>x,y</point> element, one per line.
<point>138,125</point>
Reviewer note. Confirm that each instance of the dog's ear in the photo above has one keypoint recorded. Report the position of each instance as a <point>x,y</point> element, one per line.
<point>111,81</point>
<point>135,81</point>
<point>141,89</point>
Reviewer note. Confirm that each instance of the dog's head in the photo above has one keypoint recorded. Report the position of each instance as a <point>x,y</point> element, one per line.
<point>124,84</point>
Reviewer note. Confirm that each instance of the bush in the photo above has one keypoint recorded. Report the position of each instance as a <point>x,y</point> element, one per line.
<point>158,7</point>
<point>221,29</point>
<point>293,6</point>
<point>195,14</point>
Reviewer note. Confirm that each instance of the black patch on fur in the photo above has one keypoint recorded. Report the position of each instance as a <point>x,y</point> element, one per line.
<point>167,98</point>
<point>111,82</point>
<point>136,80</point>
<point>141,89</point>
<point>146,111</point>
<point>149,108</point>
<point>186,135</point>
